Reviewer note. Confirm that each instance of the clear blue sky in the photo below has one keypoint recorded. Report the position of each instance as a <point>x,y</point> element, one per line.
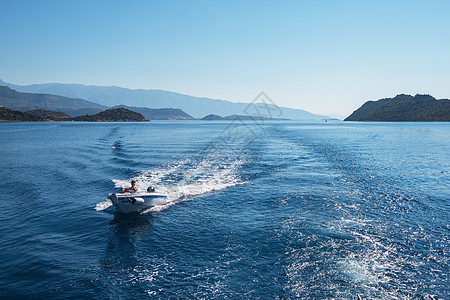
<point>323,56</point>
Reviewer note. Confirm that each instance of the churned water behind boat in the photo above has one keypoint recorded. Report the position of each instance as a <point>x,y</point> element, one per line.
<point>283,210</point>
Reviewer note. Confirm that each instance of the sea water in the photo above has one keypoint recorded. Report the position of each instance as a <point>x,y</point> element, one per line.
<point>256,210</point>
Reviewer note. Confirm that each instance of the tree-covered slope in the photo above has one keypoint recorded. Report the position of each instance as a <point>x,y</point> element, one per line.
<point>403,108</point>
<point>41,115</point>
<point>160,113</point>
<point>113,115</point>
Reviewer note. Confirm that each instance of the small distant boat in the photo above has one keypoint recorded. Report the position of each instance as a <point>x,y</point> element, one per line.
<point>137,202</point>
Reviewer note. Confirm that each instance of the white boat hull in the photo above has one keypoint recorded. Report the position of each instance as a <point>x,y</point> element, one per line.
<point>137,202</point>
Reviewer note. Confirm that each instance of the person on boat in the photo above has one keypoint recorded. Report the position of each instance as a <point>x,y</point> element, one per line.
<point>132,189</point>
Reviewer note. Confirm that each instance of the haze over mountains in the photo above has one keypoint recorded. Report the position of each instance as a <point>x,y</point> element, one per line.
<point>111,96</point>
<point>164,105</point>
<point>29,101</point>
<point>26,102</point>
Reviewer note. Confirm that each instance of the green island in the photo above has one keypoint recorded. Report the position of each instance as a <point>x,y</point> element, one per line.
<point>404,108</point>
<point>42,115</point>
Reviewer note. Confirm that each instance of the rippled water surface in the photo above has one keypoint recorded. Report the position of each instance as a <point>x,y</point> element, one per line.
<point>275,210</point>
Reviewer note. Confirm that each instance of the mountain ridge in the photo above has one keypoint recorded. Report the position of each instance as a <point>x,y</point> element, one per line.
<point>154,98</point>
<point>27,101</point>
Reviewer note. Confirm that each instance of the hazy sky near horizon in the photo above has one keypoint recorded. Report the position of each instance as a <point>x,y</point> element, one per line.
<point>326,57</point>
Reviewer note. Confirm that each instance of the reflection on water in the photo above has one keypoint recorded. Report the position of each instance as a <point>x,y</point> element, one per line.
<point>299,211</point>
<point>135,225</point>
<point>121,259</point>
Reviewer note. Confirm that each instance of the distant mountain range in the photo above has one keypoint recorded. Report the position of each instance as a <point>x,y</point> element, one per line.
<point>114,96</point>
<point>80,100</point>
<point>403,108</point>
<point>76,107</point>
<point>27,101</point>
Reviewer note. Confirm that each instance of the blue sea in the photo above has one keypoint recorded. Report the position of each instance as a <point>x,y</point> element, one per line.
<point>266,210</point>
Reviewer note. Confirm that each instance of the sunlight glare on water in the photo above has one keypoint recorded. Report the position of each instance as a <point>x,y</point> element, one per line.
<point>298,210</point>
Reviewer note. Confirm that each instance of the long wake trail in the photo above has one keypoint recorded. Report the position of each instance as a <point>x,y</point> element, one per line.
<point>215,168</point>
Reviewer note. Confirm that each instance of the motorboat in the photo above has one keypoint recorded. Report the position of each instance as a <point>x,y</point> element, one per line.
<point>139,201</point>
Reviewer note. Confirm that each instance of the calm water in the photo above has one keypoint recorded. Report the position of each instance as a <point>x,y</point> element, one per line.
<point>281,210</point>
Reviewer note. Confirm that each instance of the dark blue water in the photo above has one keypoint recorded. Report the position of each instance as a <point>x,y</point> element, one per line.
<point>275,210</point>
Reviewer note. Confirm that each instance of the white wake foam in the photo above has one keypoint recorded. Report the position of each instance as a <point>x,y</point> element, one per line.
<point>189,178</point>
<point>103,205</point>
